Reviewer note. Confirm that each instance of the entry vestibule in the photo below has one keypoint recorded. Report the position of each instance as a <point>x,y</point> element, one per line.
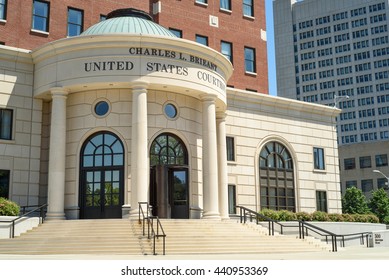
<point>169,181</point>
<point>163,63</point>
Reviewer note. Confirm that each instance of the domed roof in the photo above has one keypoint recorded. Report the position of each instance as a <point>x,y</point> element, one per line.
<point>128,21</point>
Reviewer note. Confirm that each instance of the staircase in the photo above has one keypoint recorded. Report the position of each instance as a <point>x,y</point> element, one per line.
<point>125,237</point>
<point>229,237</point>
<point>116,236</point>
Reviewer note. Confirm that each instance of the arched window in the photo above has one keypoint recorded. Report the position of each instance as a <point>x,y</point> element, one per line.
<point>168,149</point>
<point>276,178</point>
<point>102,177</point>
<point>103,149</point>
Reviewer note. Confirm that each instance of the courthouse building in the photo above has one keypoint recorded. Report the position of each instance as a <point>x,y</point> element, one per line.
<point>127,112</point>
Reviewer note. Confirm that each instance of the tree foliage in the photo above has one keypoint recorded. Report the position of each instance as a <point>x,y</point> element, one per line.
<point>379,205</point>
<point>354,202</point>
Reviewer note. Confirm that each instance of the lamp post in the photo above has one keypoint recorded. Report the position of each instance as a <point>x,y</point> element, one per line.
<point>387,178</point>
<point>338,98</point>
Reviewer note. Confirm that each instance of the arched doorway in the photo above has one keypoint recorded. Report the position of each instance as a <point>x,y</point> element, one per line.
<point>101,177</point>
<point>276,178</point>
<point>169,178</point>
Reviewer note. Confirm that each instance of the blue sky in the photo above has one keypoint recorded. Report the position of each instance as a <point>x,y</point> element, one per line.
<point>270,48</point>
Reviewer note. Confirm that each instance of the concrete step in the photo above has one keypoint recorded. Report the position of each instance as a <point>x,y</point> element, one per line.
<point>125,237</point>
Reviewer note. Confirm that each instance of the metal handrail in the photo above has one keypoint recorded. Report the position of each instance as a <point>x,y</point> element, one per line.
<point>316,229</point>
<point>259,217</point>
<point>157,235</point>
<point>303,226</point>
<point>41,209</point>
<point>151,232</point>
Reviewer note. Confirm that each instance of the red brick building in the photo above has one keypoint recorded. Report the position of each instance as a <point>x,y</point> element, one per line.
<point>237,24</point>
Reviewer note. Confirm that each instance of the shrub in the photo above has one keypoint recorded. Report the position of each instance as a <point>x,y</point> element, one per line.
<point>361,218</point>
<point>348,218</point>
<point>303,216</point>
<point>8,208</point>
<point>333,217</point>
<point>272,214</point>
<point>284,215</point>
<point>371,218</point>
<point>320,216</point>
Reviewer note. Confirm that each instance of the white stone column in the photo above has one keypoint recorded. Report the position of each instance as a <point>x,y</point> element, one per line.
<point>210,169</point>
<point>139,149</point>
<point>222,164</point>
<point>57,155</point>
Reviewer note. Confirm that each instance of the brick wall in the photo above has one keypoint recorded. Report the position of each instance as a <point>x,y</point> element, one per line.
<point>241,31</point>
<point>16,32</point>
<point>185,15</point>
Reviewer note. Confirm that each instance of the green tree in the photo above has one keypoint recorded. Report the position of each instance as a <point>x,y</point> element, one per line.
<point>354,202</point>
<point>379,205</point>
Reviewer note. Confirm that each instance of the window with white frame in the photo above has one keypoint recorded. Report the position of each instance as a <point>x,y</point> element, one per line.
<point>248,8</point>
<point>202,40</point>
<point>3,9</point>
<point>41,16</point>
<point>225,5</point>
<point>226,50</point>
<point>202,1</point>
<point>249,60</point>
<point>75,22</point>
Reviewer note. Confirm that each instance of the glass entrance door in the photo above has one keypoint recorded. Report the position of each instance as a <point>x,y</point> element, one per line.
<point>169,182</point>
<point>102,194</point>
<point>101,177</point>
<point>179,195</point>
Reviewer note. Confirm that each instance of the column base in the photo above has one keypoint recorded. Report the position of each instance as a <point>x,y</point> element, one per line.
<point>55,216</point>
<point>211,216</point>
<point>134,214</point>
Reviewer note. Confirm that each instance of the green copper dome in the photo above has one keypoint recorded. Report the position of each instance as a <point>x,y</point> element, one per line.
<point>127,21</point>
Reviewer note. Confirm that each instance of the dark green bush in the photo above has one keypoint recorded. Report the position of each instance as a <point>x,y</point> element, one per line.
<point>8,208</point>
<point>379,204</point>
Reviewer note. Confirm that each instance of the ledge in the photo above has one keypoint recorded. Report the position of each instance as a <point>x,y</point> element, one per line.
<point>39,32</point>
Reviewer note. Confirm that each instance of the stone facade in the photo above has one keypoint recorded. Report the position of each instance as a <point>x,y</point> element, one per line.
<point>87,163</point>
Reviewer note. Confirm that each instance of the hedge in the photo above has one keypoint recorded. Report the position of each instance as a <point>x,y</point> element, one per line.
<point>8,208</point>
<point>284,215</point>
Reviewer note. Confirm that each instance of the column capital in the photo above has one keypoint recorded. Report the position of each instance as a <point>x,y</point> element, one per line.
<point>138,85</point>
<point>59,91</point>
<point>221,115</point>
<point>208,97</point>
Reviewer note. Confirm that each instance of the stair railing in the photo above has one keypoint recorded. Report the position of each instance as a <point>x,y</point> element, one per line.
<point>302,226</point>
<point>154,226</point>
<point>42,215</point>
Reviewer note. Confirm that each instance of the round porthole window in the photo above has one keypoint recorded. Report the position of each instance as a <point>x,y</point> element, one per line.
<point>170,111</point>
<point>101,108</point>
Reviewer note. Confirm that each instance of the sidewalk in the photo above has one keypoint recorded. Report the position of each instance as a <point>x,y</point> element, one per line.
<point>348,253</point>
